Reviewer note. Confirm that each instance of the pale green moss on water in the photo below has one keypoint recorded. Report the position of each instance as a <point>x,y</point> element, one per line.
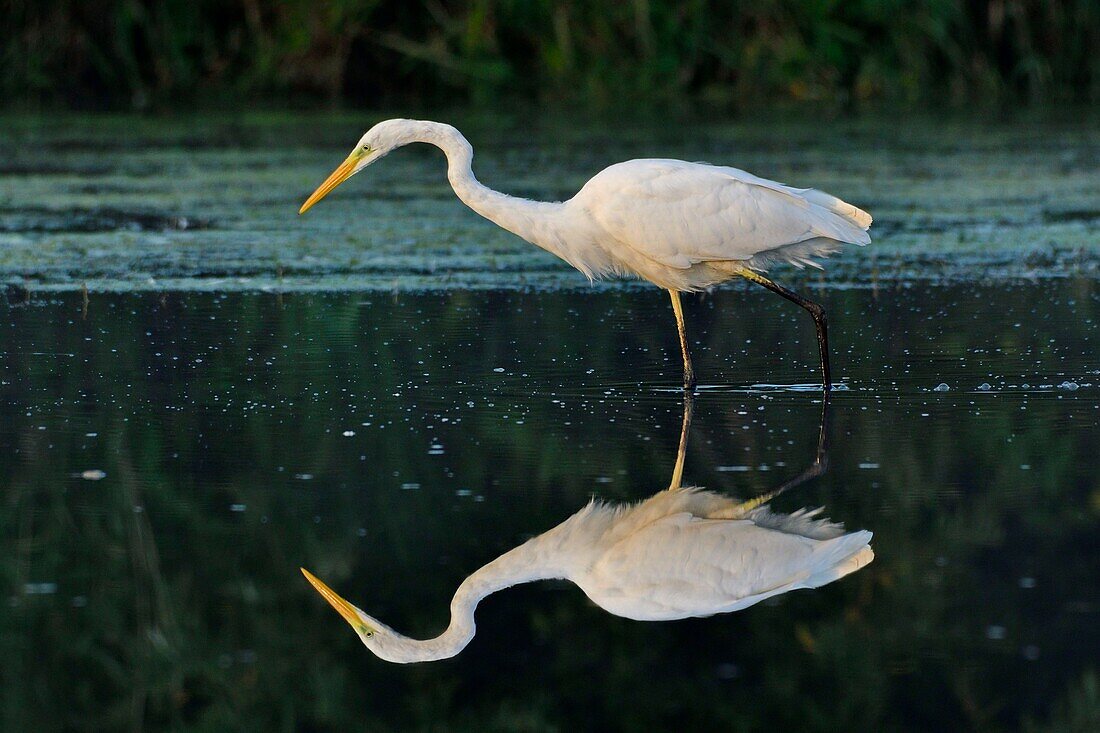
<point>210,203</point>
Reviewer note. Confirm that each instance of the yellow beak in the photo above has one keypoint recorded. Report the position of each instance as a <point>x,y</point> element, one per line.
<point>345,609</point>
<point>338,176</point>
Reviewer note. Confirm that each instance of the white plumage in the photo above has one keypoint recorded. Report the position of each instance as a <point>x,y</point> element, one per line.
<point>681,553</point>
<point>682,226</point>
<point>688,552</point>
<point>679,216</point>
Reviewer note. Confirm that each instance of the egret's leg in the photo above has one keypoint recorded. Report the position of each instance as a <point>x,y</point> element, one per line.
<point>814,310</point>
<point>689,372</point>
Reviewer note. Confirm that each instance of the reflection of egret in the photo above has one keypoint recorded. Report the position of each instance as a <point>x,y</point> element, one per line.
<point>682,226</point>
<point>681,553</point>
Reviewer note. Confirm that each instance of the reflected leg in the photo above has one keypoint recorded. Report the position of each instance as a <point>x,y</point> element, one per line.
<point>689,372</point>
<point>814,309</point>
<point>681,451</point>
<point>815,469</point>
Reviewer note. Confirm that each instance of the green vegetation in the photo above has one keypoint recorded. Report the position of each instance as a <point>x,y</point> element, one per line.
<point>136,53</point>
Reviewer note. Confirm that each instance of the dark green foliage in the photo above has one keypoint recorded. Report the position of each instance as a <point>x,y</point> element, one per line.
<point>601,53</point>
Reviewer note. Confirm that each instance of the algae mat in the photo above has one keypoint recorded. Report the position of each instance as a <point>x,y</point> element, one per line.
<point>210,202</point>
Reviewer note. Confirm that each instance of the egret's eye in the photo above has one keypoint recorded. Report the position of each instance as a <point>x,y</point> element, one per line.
<point>366,148</point>
<point>369,634</point>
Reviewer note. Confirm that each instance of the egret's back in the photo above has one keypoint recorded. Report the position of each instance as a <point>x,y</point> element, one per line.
<point>676,222</point>
<point>683,563</point>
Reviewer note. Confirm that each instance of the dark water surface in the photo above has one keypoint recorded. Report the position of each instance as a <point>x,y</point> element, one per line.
<point>168,461</point>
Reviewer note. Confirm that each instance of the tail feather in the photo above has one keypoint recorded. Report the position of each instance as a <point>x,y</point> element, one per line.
<point>855,215</point>
<point>838,557</point>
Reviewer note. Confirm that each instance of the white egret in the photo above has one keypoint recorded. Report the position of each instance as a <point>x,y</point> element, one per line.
<point>682,553</point>
<point>683,226</point>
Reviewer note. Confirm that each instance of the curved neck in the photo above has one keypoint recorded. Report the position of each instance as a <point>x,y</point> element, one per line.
<point>536,221</point>
<point>537,559</point>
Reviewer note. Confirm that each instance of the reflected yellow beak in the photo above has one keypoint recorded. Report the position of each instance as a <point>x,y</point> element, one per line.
<point>345,609</point>
<point>337,177</point>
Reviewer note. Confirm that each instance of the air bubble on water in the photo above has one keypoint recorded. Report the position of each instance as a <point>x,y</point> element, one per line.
<point>348,433</point>
<point>941,387</point>
<point>410,486</point>
<point>40,589</point>
<point>499,370</point>
<point>237,507</point>
<point>1069,385</point>
<point>93,474</point>
<point>985,386</point>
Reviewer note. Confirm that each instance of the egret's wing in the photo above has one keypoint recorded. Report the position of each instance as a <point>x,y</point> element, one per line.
<point>683,566</point>
<point>680,213</point>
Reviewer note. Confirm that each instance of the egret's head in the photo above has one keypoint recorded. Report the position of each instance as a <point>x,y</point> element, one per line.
<point>373,633</point>
<point>379,140</point>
